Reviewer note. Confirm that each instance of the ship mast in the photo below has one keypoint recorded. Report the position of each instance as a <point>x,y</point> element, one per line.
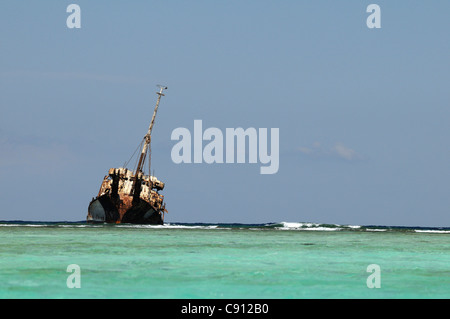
<point>147,137</point>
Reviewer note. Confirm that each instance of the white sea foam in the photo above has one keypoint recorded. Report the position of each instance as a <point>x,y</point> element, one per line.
<point>78,226</point>
<point>169,226</point>
<point>323,228</point>
<point>432,231</point>
<point>306,226</point>
<point>298,225</point>
<point>21,225</point>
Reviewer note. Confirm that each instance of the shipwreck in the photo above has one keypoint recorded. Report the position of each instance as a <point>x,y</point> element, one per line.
<point>131,196</point>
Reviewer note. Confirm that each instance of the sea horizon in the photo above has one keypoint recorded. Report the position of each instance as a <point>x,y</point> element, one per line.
<point>283,225</point>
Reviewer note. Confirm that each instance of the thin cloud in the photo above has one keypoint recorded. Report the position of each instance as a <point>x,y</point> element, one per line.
<point>338,150</point>
<point>345,152</point>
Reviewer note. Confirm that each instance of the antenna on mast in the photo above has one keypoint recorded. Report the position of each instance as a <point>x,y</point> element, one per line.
<point>160,93</point>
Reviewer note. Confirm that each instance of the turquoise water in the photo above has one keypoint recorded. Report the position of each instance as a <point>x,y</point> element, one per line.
<point>288,260</point>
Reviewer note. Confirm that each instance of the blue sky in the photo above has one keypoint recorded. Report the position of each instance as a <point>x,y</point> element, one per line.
<point>363,113</point>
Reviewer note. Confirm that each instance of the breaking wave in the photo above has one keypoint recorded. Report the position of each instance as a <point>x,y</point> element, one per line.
<point>280,226</point>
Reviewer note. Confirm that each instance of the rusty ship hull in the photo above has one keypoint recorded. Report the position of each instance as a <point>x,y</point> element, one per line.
<point>130,196</point>
<point>120,201</point>
<point>104,209</point>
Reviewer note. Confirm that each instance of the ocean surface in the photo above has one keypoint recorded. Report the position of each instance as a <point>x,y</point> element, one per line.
<point>276,260</point>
